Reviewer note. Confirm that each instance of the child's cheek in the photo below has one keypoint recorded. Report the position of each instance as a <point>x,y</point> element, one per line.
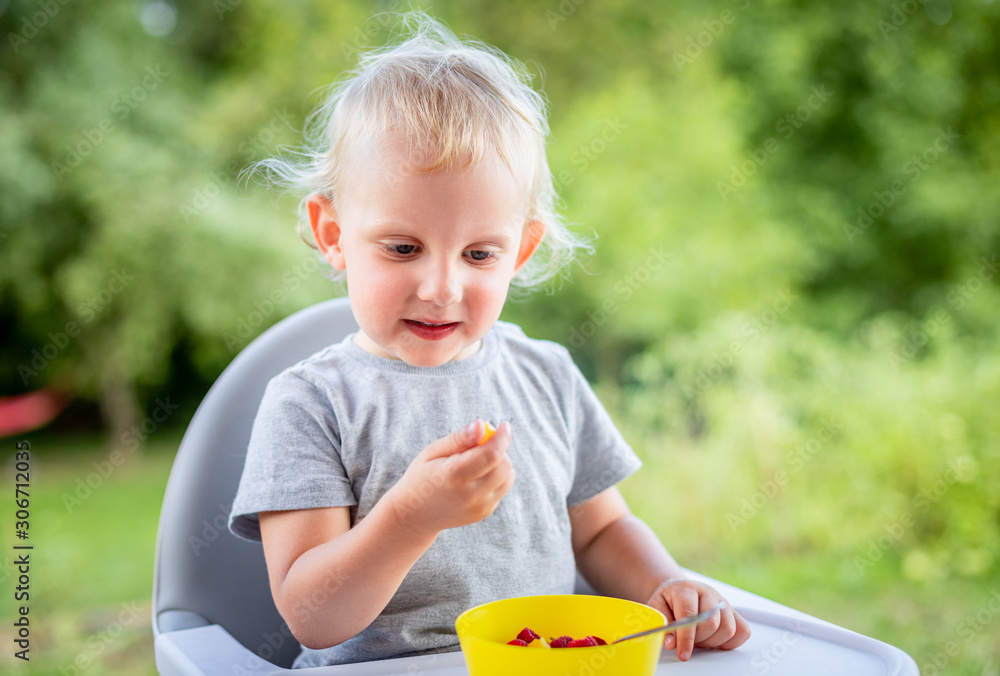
<point>493,294</point>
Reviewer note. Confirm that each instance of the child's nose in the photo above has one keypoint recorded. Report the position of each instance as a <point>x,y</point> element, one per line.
<point>441,286</point>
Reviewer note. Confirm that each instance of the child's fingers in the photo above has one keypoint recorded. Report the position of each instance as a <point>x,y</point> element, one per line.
<point>478,462</point>
<point>725,630</point>
<point>491,489</point>
<point>685,604</point>
<point>474,464</point>
<point>658,602</point>
<point>714,634</point>
<point>740,636</point>
<point>499,481</point>
<point>494,479</point>
<point>456,442</point>
<point>670,639</point>
<point>707,633</point>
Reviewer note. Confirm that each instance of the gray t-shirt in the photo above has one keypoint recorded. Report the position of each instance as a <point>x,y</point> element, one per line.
<point>341,427</point>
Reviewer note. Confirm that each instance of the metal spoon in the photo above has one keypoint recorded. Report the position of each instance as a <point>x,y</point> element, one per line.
<point>679,624</point>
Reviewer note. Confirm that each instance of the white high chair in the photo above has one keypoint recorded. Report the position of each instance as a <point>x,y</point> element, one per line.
<point>212,607</point>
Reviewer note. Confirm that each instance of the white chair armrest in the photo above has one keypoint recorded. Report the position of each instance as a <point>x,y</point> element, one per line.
<point>208,651</point>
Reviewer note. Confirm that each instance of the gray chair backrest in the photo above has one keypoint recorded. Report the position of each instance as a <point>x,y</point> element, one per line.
<point>204,574</point>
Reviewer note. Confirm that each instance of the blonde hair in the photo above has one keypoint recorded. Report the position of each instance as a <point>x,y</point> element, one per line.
<point>464,99</point>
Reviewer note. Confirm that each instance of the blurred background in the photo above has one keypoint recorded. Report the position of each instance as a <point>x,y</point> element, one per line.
<point>791,312</point>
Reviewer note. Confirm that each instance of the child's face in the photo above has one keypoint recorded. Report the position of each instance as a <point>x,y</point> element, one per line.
<point>428,257</point>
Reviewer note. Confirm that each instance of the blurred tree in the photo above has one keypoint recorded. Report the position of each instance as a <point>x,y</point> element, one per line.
<point>725,154</point>
<point>891,177</point>
<point>127,245</point>
<point>843,155</point>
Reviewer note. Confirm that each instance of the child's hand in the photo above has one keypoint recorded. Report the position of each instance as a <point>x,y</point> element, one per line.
<point>454,481</point>
<point>681,598</point>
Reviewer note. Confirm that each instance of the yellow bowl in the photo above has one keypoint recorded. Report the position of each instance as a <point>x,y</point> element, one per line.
<point>483,632</point>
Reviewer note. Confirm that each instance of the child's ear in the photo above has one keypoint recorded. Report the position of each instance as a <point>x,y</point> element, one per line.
<point>532,236</point>
<point>326,229</point>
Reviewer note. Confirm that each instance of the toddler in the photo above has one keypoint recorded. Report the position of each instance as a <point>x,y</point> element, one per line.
<point>382,516</point>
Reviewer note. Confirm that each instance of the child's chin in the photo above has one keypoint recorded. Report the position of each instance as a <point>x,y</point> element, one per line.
<point>427,361</point>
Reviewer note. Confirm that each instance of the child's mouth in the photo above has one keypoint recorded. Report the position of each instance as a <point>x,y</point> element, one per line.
<point>429,331</point>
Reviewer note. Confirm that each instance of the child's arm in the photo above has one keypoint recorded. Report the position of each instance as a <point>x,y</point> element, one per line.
<point>329,581</point>
<point>621,556</point>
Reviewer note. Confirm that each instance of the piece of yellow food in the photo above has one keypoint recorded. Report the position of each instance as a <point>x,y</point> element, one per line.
<point>489,432</point>
<point>539,643</point>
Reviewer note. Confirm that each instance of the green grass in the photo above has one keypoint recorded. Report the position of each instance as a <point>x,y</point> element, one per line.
<point>91,574</point>
<point>92,562</point>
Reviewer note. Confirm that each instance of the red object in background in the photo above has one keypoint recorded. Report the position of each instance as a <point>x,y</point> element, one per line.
<point>26,412</point>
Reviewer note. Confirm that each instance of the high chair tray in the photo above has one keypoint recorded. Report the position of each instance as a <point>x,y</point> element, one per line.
<point>780,644</point>
<point>783,642</point>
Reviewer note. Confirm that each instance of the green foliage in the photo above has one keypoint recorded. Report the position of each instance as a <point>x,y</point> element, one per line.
<point>899,82</point>
<point>790,449</point>
<point>127,237</point>
<point>796,225</point>
<point>859,430</point>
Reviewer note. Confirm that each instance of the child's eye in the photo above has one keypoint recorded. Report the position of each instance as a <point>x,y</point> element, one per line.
<point>478,255</point>
<point>401,249</point>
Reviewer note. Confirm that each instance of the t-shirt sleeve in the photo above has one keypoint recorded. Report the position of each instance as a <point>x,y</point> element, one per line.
<point>603,456</point>
<point>293,457</point>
